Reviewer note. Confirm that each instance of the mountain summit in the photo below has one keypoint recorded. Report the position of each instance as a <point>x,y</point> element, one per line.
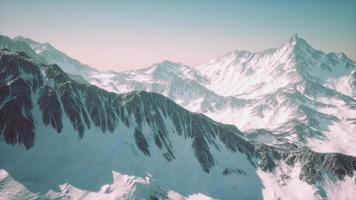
<point>296,40</point>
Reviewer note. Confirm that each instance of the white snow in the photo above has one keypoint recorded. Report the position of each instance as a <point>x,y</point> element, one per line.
<point>284,183</point>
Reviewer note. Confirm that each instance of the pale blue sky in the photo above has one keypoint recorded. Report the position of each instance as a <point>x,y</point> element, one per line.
<point>122,35</point>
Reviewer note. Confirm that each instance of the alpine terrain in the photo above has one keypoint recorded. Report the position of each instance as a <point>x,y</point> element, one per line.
<point>285,124</point>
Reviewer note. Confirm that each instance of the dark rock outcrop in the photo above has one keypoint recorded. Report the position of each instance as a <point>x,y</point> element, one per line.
<point>18,80</point>
<point>313,164</point>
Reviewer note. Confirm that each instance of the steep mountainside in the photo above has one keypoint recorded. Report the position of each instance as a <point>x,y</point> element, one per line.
<point>64,139</point>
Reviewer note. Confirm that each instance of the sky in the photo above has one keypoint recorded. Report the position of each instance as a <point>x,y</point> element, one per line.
<point>122,35</point>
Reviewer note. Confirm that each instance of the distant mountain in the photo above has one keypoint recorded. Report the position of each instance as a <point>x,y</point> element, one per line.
<point>179,82</point>
<point>61,139</point>
<point>46,53</point>
<point>299,93</point>
<point>18,46</point>
<point>251,75</point>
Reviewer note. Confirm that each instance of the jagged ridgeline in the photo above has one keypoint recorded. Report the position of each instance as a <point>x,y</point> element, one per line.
<point>25,83</point>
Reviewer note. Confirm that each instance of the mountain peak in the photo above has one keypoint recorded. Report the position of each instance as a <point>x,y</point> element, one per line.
<point>167,62</point>
<point>37,46</point>
<point>25,39</point>
<point>20,37</point>
<point>296,42</point>
<point>294,38</point>
<point>48,45</point>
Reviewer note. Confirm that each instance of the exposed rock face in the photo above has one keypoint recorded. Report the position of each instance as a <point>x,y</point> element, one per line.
<point>51,109</point>
<point>141,142</point>
<point>313,164</point>
<point>18,79</point>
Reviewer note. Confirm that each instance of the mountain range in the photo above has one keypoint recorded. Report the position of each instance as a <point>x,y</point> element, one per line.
<point>295,92</point>
<point>71,131</point>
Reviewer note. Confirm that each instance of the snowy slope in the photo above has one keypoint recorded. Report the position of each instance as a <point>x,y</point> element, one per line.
<point>67,140</point>
<point>247,74</point>
<point>179,82</point>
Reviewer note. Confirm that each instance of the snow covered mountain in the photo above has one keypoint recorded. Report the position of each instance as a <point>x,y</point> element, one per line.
<point>179,82</point>
<point>251,75</point>
<point>299,93</point>
<point>68,140</point>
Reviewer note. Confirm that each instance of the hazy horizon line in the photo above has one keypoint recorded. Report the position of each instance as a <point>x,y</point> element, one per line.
<point>173,61</point>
